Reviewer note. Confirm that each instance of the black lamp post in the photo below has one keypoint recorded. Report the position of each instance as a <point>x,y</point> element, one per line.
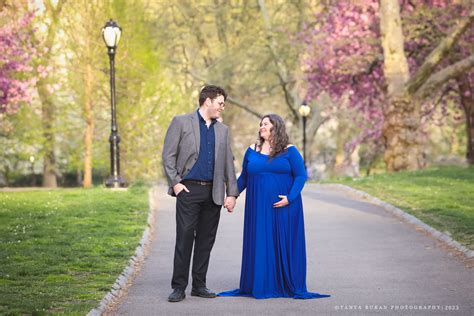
<point>111,33</point>
<point>304,112</point>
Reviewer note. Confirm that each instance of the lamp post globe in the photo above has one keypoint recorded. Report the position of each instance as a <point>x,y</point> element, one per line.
<point>111,34</point>
<point>304,111</point>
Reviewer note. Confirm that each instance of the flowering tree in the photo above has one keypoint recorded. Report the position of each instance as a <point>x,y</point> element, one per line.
<point>15,57</point>
<point>360,53</point>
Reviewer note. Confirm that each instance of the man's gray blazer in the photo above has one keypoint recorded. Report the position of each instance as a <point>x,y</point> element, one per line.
<point>181,150</point>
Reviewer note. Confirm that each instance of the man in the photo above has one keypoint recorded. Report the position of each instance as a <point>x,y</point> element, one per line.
<point>198,164</point>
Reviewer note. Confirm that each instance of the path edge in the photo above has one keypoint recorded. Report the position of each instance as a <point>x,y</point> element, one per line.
<point>468,254</point>
<point>126,277</point>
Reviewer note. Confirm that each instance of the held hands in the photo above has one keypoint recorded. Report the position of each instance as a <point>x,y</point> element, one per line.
<point>177,188</point>
<point>282,202</point>
<point>229,203</point>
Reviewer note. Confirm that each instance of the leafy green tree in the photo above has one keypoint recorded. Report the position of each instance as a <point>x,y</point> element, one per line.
<point>47,23</point>
<point>250,49</point>
<point>86,78</point>
<point>148,94</point>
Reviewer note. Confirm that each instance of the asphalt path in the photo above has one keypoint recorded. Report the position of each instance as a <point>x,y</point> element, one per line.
<point>369,261</point>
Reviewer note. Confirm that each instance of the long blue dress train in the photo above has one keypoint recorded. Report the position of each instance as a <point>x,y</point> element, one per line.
<point>274,251</point>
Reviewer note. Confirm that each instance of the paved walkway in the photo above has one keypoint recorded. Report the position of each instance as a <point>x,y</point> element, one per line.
<point>360,254</point>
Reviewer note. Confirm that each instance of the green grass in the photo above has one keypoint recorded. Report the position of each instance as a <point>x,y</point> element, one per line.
<point>441,197</point>
<point>61,250</point>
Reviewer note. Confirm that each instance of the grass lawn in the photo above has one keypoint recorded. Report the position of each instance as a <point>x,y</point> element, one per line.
<point>441,197</point>
<point>61,250</point>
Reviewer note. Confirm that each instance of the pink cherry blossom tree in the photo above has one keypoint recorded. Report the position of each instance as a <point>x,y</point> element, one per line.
<point>359,53</point>
<point>16,79</point>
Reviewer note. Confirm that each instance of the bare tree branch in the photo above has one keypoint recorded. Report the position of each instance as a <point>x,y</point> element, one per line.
<point>282,72</point>
<point>316,125</point>
<point>439,78</point>
<point>236,102</point>
<point>436,56</point>
<point>244,107</point>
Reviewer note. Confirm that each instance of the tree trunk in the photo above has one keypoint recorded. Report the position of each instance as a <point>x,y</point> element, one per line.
<point>402,117</point>
<point>47,119</point>
<point>48,110</point>
<point>467,102</point>
<point>342,163</point>
<point>401,135</point>
<point>354,162</point>
<point>79,179</point>
<point>89,132</point>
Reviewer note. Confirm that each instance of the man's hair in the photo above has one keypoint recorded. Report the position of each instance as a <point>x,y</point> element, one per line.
<point>211,92</point>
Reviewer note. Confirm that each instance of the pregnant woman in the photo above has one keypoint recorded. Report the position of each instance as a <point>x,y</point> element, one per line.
<point>274,251</point>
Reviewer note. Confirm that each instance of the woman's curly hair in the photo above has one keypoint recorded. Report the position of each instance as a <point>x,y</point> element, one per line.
<point>279,139</point>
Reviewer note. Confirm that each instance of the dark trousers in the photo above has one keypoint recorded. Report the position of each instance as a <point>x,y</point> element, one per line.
<point>197,218</point>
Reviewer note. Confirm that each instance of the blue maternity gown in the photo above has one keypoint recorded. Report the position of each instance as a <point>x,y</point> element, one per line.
<point>274,254</point>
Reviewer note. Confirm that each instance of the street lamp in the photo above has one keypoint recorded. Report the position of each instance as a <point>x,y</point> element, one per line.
<point>304,112</point>
<point>111,33</point>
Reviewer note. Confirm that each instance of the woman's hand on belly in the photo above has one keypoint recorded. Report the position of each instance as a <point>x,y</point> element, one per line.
<point>283,202</point>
